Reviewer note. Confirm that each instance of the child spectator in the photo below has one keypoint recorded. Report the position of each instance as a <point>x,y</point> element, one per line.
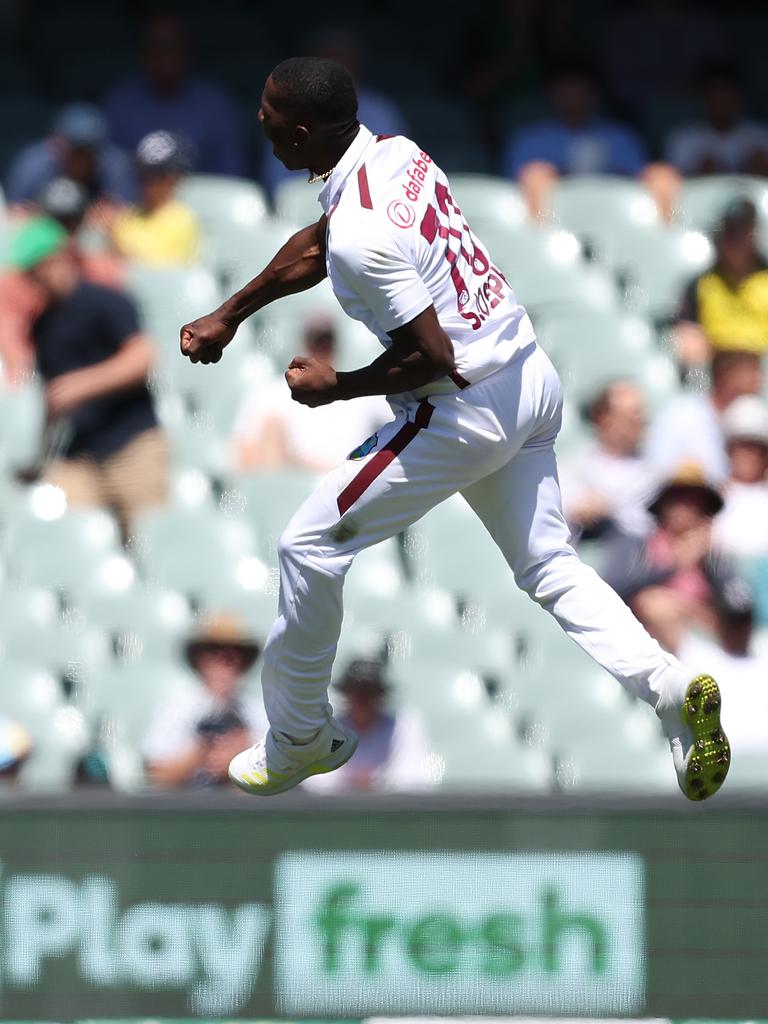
<point>160,230</point>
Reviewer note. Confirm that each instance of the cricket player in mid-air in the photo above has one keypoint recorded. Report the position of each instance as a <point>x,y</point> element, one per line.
<point>477,409</point>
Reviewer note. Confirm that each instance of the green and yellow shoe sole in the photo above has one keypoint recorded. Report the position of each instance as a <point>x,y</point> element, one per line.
<point>710,758</point>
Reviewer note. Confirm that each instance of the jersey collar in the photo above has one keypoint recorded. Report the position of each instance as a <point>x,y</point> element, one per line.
<point>349,162</point>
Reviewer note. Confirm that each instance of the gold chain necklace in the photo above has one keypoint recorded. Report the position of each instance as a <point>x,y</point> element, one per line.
<point>314,178</point>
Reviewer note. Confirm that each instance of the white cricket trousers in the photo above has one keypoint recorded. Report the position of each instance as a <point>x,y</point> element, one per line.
<point>494,443</point>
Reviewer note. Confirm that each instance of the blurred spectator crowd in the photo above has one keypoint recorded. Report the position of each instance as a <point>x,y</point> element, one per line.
<point>143,496</point>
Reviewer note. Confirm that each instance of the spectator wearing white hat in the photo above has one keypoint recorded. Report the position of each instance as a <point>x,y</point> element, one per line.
<point>741,528</point>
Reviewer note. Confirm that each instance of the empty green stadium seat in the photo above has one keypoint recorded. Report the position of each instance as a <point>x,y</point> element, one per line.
<point>268,500</point>
<point>60,551</point>
<point>122,699</point>
<point>702,200</point>
<point>221,203</point>
<point>601,209</point>
<point>170,297</point>
<point>296,202</point>
<point>656,264</point>
<point>184,549</point>
<point>21,425</point>
<point>487,201</point>
<point>33,697</point>
<point>546,270</point>
<point>240,252</point>
<point>591,349</point>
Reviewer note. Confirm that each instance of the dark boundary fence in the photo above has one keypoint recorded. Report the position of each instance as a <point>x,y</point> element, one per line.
<point>212,905</point>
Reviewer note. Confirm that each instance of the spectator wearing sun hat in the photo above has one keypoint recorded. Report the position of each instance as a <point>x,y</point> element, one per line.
<point>672,578</point>
<point>160,230</point>
<point>195,733</point>
<point>741,528</point>
<point>78,148</point>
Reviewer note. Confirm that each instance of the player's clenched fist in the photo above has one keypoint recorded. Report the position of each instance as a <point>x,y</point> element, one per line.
<point>204,340</point>
<point>311,381</point>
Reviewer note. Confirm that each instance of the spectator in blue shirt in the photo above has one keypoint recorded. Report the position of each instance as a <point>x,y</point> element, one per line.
<point>168,97</point>
<point>576,139</point>
<point>77,148</point>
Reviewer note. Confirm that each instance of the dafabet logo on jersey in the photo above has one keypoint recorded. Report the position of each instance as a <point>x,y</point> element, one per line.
<point>456,932</point>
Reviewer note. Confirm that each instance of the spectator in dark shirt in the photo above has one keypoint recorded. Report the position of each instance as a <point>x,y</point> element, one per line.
<point>726,307</point>
<point>21,300</point>
<point>576,139</point>
<point>168,97</point>
<point>94,360</point>
<point>78,148</point>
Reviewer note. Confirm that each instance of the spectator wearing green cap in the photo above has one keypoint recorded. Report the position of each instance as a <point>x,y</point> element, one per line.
<point>95,361</point>
<point>22,301</point>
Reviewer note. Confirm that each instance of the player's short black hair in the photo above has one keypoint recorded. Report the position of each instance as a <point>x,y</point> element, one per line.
<point>318,89</point>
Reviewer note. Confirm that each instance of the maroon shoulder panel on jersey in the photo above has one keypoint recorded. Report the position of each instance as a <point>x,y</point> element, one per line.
<point>364,188</point>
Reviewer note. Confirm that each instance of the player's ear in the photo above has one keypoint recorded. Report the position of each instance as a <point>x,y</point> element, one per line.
<point>300,136</point>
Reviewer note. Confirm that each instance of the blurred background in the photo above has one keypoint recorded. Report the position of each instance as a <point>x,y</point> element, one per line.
<point>508,839</point>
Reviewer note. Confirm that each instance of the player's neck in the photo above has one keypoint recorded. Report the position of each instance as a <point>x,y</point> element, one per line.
<point>335,150</point>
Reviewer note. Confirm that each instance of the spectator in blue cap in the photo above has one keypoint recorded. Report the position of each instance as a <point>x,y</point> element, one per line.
<point>77,148</point>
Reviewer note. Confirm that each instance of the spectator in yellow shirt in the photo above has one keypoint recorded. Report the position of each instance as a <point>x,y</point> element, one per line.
<point>160,231</point>
<point>726,307</point>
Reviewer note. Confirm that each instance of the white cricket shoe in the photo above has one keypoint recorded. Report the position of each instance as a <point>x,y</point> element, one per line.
<point>700,749</point>
<point>275,764</point>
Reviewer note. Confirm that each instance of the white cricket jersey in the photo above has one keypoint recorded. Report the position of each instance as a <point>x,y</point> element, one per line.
<point>397,243</point>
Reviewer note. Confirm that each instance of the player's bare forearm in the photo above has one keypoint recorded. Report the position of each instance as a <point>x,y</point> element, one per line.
<point>299,265</point>
<point>392,373</point>
<point>421,352</point>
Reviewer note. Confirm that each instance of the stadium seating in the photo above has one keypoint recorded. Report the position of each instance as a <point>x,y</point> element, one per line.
<point>46,545</point>
<point>655,265</point>
<point>183,549</point>
<point>601,210</point>
<point>296,202</point>
<point>590,349</point>
<point>34,698</point>
<point>488,202</point>
<point>702,200</point>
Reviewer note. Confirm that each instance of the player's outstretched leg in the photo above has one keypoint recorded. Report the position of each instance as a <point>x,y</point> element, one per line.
<point>304,738</point>
<point>520,506</point>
